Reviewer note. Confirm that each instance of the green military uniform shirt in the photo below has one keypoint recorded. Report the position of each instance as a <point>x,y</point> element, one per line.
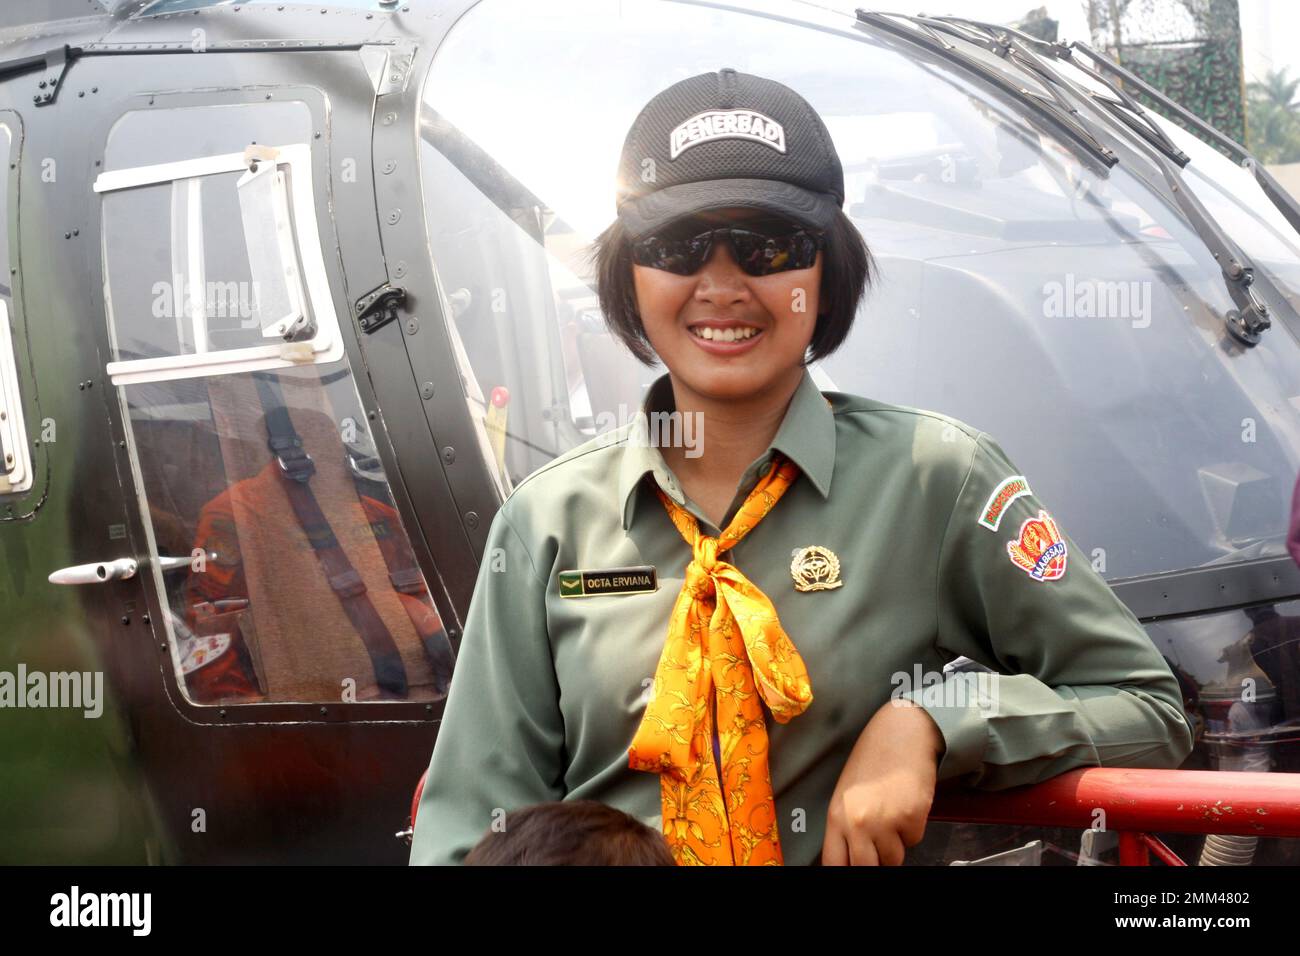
<point>918,508</point>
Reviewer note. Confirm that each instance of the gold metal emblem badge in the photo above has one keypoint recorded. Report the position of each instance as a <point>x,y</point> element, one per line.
<point>815,568</point>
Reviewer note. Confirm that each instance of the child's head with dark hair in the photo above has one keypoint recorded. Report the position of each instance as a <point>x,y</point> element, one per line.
<point>571,833</point>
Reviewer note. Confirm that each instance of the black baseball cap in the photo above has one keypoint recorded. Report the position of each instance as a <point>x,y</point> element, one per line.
<point>728,139</point>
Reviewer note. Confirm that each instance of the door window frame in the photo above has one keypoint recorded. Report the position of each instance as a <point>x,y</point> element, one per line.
<point>326,346</point>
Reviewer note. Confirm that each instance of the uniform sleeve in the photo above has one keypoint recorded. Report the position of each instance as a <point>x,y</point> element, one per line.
<point>1078,681</point>
<point>500,743</point>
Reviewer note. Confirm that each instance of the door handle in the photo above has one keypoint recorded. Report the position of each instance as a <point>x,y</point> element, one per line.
<point>98,573</point>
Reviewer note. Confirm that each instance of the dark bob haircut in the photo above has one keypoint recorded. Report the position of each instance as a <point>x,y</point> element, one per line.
<point>847,271</point>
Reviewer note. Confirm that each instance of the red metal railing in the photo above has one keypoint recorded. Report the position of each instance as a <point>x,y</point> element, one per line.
<point>415,800</point>
<point>1135,802</point>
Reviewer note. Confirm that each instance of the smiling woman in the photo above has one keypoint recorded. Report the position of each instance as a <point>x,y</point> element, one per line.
<point>816,542</point>
<point>978,214</point>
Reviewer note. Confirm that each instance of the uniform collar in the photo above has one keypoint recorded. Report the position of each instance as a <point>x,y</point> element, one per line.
<point>806,436</point>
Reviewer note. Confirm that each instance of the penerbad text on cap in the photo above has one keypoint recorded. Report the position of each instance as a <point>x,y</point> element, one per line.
<point>726,124</point>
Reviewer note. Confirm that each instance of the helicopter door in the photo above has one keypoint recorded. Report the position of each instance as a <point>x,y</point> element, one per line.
<point>278,553</point>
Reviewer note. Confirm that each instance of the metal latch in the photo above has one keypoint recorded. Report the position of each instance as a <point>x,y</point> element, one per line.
<point>379,306</point>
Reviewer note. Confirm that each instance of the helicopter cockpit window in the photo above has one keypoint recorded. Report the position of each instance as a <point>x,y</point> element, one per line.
<point>277,547</point>
<point>1063,306</point>
<point>15,451</point>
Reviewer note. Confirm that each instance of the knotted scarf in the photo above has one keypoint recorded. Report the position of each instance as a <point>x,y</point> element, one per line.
<point>725,647</point>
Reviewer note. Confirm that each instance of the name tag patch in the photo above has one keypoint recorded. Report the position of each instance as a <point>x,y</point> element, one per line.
<point>640,579</point>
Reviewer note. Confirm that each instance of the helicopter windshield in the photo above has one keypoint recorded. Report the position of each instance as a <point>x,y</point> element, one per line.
<point>1062,306</point>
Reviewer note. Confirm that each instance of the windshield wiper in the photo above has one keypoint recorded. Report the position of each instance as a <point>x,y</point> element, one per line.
<point>925,31</point>
<point>1286,203</point>
<point>1024,50</point>
<point>1251,316</point>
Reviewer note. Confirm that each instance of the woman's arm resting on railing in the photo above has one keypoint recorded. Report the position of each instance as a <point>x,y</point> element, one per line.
<point>1081,683</point>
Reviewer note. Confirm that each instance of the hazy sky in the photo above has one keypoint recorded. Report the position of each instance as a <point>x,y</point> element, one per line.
<point>1269,30</point>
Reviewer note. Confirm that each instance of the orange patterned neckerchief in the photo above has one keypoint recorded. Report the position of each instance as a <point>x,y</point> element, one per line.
<point>724,646</point>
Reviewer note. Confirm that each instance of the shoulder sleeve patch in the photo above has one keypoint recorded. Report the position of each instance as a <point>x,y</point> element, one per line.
<point>1039,549</point>
<point>1007,491</point>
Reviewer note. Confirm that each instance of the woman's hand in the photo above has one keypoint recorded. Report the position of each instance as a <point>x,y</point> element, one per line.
<point>883,796</point>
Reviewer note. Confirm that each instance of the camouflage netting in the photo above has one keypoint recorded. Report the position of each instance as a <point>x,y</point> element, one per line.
<point>1190,50</point>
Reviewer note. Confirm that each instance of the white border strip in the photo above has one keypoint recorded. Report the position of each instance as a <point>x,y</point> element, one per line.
<point>114,179</point>
<point>15,431</point>
<point>196,305</point>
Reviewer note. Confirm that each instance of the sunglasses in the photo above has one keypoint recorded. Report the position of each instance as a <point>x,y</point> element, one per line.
<point>761,249</point>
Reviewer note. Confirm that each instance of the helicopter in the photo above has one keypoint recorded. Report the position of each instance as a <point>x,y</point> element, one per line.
<point>295,294</point>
